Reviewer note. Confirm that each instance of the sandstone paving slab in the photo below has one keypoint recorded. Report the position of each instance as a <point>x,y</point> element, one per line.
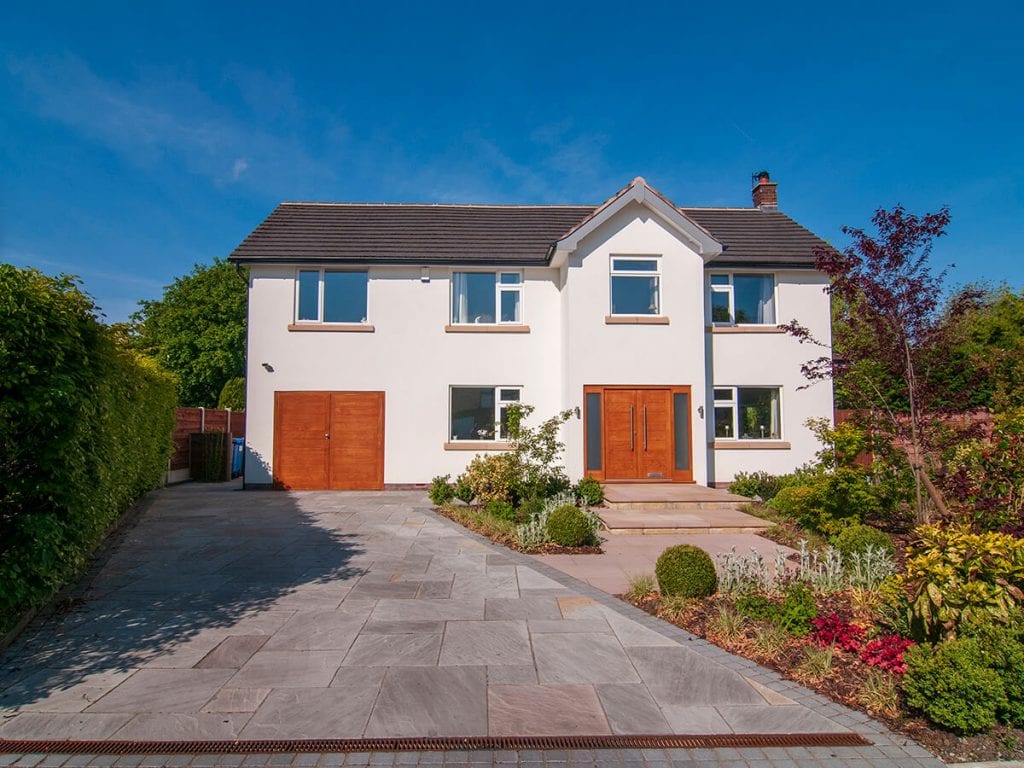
<point>582,658</point>
<point>388,609</point>
<point>481,643</point>
<point>232,652</point>
<point>545,710</point>
<point>761,719</point>
<point>511,673</point>
<point>394,650</point>
<point>184,727</point>
<point>311,714</point>
<point>696,720</point>
<point>51,725</point>
<point>164,690</point>
<point>236,700</point>
<point>287,669</point>
<point>312,630</point>
<point>501,608</point>
<point>679,677</point>
<point>402,628</point>
<point>431,701</point>
<point>43,691</point>
<point>631,709</point>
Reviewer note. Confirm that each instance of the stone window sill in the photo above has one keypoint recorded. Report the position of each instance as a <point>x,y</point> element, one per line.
<point>487,328</point>
<point>478,445</point>
<point>750,445</point>
<point>635,320</point>
<point>332,327</point>
<point>744,329</point>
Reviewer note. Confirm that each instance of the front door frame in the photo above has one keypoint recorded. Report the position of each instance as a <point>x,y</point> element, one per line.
<point>675,476</point>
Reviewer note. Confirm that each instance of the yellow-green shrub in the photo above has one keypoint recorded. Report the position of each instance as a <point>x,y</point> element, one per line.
<point>492,477</point>
<point>955,576</point>
<point>85,429</point>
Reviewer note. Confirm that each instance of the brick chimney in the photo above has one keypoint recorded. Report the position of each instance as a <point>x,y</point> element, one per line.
<point>765,191</point>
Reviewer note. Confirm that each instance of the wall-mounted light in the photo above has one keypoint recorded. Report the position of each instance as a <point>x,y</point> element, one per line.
<point>576,410</point>
<point>268,367</point>
<point>700,411</point>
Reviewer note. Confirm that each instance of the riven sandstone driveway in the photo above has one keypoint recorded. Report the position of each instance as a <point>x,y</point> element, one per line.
<point>225,614</point>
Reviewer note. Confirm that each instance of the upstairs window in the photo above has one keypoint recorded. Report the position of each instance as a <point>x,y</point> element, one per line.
<point>747,413</point>
<point>636,286</point>
<point>481,413</point>
<point>329,296</point>
<point>487,297</point>
<point>742,299</point>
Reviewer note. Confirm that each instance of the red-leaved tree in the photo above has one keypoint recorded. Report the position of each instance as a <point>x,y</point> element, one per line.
<point>890,333</point>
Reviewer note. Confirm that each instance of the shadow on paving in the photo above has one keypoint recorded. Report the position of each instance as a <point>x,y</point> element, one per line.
<point>203,562</point>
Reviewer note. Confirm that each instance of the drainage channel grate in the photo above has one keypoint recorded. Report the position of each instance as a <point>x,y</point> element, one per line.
<point>433,744</point>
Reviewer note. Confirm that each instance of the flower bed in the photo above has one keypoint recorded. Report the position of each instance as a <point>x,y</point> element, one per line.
<point>477,519</point>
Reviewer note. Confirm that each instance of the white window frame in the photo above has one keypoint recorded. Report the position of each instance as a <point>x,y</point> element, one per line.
<point>499,289</point>
<point>728,290</point>
<point>499,403</point>
<point>734,404</point>
<point>613,273</point>
<point>320,297</point>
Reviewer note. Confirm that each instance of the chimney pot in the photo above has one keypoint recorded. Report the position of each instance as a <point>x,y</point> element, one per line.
<point>765,191</point>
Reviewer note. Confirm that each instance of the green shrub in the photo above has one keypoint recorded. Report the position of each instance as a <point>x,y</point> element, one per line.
<point>570,526</point>
<point>757,484</point>
<point>589,491</point>
<point>85,430</point>
<point>756,607</point>
<point>529,508</point>
<point>232,394</point>
<point>954,576</point>
<point>1003,647</point>
<point>685,571</point>
<point>494,476</point>
<point>953,687</point>
<point>502,510</point>
<point>857,537</point>
<point>797,610</point>
<point>441,491</point>
<point>463,490</point>
<point>825,501</point>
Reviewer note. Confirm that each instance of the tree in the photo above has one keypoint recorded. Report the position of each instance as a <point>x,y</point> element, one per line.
<point>893,334</point>
<point>197,330</point>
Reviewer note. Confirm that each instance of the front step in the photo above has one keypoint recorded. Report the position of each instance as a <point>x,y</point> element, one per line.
<point>644,521</point>
<point>670,505</point>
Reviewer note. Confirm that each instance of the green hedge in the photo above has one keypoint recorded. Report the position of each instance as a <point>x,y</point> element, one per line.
<point>85,430</point>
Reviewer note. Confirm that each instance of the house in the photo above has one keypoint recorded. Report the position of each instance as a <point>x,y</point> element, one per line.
<point>387,340</point>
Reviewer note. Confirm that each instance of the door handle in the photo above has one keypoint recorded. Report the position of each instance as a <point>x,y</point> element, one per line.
<point>632,435</point>
<point>327,436</point>
<point>645,428</point>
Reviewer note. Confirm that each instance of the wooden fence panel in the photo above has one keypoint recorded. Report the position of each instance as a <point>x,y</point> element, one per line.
<point>192,420</point>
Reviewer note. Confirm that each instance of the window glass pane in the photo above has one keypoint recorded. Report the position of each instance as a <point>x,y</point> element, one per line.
<point>635,265</point>
<point>510,307</point>
<point>720,307</point>
<point>719,279</point>
<point>472,413</point>
<point>309,290</point>
<point>723,422</point>
<point>681,415</point>
<point>593,408</point>
<point>473,297</point>
<point>344,297</point>
<point>510,278</point>
<point>635,296</point>
<point>754,298</point>
<point>723,394</point>
<point>758,413</point>
<point>509,395</point>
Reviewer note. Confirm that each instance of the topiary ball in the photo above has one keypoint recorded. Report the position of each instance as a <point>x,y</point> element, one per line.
<point>857,537</point>
<point>686,571</point>
<point>569,526</point>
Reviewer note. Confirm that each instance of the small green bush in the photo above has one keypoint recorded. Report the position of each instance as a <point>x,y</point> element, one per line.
<point>569,526</point>
<point>756,484</point>
<point>441,491</point>
<point>529,508</point>
<point>685,571</point>
<point>495,476</point>
<point>953,687</point>
<point>589,491</point>
<point>463,490</point>
<point>756,607</point>
<point>502,510</point>
<point>1003,647</point>
<point>797,610</point>
<point>857,537</point>
<point>826,501</point>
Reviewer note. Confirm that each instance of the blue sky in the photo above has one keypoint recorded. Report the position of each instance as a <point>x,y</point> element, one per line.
<point>140,138</point>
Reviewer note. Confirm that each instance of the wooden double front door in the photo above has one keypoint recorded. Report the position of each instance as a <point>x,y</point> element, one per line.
<point>329,440</point>
<point>638,433</point>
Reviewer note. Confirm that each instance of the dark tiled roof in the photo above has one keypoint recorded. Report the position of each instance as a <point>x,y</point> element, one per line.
<point>416,234</point>
<point>489,234</point>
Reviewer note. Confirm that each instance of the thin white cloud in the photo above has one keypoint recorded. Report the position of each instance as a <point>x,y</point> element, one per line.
<point>240,166</point>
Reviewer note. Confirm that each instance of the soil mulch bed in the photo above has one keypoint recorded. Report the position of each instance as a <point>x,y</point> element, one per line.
<point>464,516</point>
<point>844,684</point>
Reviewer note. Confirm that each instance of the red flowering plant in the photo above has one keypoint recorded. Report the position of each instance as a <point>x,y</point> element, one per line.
<point>886,652</point>
<point>833,630</point>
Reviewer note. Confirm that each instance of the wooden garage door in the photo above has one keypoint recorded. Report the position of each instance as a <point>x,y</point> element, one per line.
<point>329,440</point>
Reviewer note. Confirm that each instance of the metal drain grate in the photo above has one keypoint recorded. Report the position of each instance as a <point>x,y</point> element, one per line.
<point>433,744</point>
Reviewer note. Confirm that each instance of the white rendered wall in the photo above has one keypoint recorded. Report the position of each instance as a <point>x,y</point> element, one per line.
<point>599,353</point>
<point>757,359</point>
<point>409,357</point>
